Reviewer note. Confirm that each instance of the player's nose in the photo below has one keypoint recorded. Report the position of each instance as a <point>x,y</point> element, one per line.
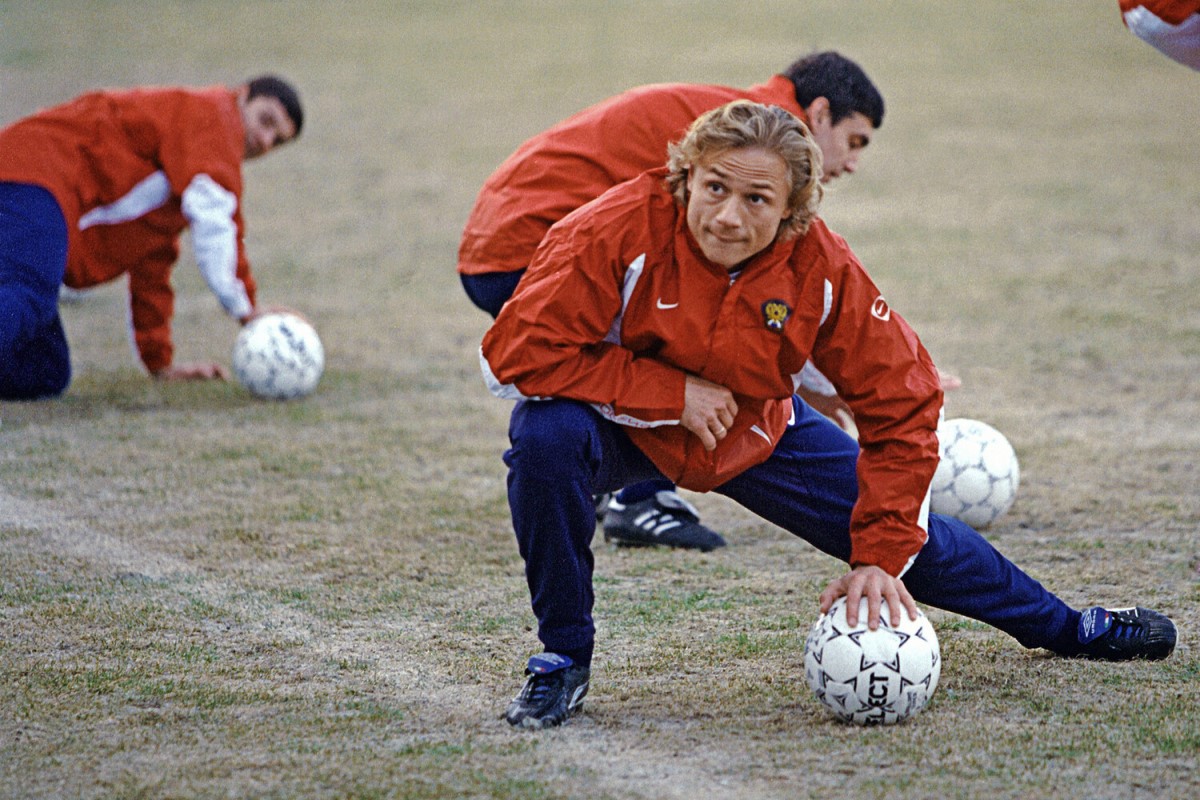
<point>729,213</point>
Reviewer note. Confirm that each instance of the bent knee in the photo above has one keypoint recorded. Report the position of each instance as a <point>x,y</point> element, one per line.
<point>551,433</point>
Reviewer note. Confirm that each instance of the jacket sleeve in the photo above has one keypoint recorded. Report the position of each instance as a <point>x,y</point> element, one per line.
<point>152,304</point>
<point>889,381</point>
<point>201,154</point>
<point>216,227</point>
<point>558,336</point>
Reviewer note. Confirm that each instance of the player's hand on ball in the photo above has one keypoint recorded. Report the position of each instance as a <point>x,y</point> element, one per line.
<point>263,311</point>
<point>194,371</point>
<point>875,585</point>
<point>871,677</point>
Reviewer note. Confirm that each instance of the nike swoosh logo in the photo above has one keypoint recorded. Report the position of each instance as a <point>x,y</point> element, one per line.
<point>666,306</point>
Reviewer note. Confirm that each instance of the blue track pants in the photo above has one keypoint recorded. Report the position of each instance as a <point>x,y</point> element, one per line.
<point>563,453</point>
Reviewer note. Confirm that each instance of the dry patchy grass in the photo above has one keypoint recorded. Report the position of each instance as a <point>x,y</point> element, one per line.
<point>203,595</point>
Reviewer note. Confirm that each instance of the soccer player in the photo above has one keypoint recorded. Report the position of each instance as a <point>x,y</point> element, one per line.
<point>578,159</point>
<point>104,185</point>
<point>1170,26</point>
<point>661,330</point>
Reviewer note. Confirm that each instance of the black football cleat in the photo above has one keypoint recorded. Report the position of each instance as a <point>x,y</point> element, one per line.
<point>1125,634</point>
<point>554,691</point>
<point>664,519</point>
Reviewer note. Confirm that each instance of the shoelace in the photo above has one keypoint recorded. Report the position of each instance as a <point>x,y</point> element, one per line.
<point>542,685</point>
<point>1124,628</point>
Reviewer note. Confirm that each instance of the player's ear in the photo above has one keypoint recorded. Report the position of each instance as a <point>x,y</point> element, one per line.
<point>818,113</point>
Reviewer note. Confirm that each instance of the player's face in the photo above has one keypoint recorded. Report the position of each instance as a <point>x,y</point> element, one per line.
<point>736,201</point>
<point>841,144</point>
<point>267,124</point>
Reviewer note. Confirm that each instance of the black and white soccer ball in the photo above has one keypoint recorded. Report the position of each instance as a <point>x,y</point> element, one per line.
<point>867,677</point>
<point>278,356</point>
<point>977,478</point>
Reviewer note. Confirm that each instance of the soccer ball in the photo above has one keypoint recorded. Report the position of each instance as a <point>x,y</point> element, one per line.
<point>278,356</point>
<point>976,481</point>
<point>867,677</point>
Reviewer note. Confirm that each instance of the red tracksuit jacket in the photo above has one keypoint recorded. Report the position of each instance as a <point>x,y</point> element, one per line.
<point>1172,12</point>
<point>130,170</point>
<point>579,159</point>
<point>619,305</point>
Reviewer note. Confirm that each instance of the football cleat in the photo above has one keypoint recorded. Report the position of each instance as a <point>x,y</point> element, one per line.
<point>1124,634</point>
<point>664,519</point>
<point>553,691</point>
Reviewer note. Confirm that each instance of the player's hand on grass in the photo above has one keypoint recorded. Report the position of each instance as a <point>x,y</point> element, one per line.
<point>949,381</point>
<point>708,410</point>
<point>875,585</point>
<point>194,371</point>
<point>836,409</point>
<point>831,406</point>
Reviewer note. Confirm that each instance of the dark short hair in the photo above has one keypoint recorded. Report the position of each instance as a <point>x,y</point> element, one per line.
<point>840,81</point>
<point>281,90</point>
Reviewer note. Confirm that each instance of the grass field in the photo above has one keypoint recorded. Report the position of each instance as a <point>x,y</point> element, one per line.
<point>204,595</point>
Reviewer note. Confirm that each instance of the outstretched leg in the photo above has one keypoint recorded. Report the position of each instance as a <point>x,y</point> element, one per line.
<point>809,487</point>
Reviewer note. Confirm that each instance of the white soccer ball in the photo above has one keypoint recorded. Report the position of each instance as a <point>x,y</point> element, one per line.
<point>278,356</point>
<point>977,479</point>
<point>867,677</point>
